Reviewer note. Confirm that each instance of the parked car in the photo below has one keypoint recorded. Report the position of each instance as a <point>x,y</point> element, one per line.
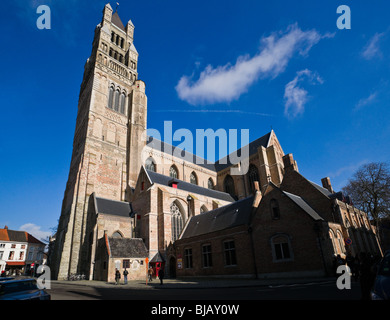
<point>26,289</point>
<point>381,287</point>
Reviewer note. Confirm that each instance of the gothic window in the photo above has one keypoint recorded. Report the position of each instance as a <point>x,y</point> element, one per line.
<point>203,209</point>
<point>150,165</point>
<point>111,97</point>
<point>173,172</point>
<point>253,175</point>
<point>116,102</point>
<point>123,103</point>
<point>112,36</point>
<point>193,178</point>
<point>340,241</point>
<point>228,186</point>
<point>331,236</point>
<point>275,211</point>
<point>281,248</point>
<point>210,184</point>
<point>122,43</point>
<point>176,221</point>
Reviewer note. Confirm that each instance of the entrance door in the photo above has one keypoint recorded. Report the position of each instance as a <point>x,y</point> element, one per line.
<point>172,268</point>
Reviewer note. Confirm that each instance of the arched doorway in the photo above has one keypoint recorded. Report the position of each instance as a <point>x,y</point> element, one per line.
<point>172,268</point>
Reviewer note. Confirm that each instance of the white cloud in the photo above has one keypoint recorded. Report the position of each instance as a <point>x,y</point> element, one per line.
<point>35,231</point>
<point>296,97</point>
<point>372,49</point>
<point>366,101</point>
<point>229,82</point>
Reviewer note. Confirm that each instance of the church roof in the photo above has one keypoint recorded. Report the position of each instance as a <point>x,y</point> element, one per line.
<point>127,248</point>
<point>113,207</point>
<point>217,166</point>
<point>232,215</point>
<point>173,150</point>
<point>253,146</point>
<point>116,20</point>
<point>192,188</point>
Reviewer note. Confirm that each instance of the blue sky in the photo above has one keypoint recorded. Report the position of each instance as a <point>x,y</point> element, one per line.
<point>213,64</point>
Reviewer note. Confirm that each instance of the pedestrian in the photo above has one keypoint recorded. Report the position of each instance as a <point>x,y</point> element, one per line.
<point>117,276</point>
<point>150,273</point>
<point>161,275</point>
<point>367,276</point>
<point>125,273</point>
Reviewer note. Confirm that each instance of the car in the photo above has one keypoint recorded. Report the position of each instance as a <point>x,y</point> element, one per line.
<point>26,289</point>
<point>381,287</point>
<point>6,278</point>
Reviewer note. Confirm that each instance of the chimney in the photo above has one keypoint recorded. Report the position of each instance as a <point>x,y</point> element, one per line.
<point>289,162</point>
<point>6,227</point>
<point>327,185</point>
<point>257,196</point>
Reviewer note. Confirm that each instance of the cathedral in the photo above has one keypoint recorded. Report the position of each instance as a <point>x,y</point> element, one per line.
<point>131,201</point>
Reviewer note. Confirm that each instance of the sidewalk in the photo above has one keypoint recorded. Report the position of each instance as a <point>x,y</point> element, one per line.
<point>197,283</point>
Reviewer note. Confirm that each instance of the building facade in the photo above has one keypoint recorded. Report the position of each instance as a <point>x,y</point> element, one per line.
<point>20,252</point>
<point>125,185</point>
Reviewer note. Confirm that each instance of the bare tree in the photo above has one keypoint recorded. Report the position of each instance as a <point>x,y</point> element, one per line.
<point>369,189</point>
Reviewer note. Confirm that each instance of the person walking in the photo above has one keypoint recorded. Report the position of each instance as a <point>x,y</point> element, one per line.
<point>161,275</point>
<point>117,276</point>
<point>125,273</point>
<point>150,273</point>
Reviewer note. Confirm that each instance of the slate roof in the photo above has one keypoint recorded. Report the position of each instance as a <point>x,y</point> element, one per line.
<point>324,191</point>
<point>113,207</point>
<point>226,217</point>
<point>157,258</point>
<point>116,20</point>
<point>172,150</point>
<point>186,186</point>
<point>127,248</point>
<point>303,205</point>
<point>217,166</point>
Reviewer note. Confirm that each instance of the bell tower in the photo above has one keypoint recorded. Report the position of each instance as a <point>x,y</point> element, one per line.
<point>106,150</point>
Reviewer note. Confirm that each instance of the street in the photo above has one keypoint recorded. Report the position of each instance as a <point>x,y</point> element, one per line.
<point>305,291</point>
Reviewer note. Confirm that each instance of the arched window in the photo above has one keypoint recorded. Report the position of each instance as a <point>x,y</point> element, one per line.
<point>173,173</point>
<point>123,101</point>
<point>193,178</point>
<point>116,101</point>
<point>341,242</point>
<point>176,221</point>
<point>275,211</point>
<point>210,184</point>
<point>117,235</point>
<point>331,236</point>
<point>253,175</point>
<point>150,165</point>
<point>281,248</point>
<point>111,97</point>
<point>228,186</point>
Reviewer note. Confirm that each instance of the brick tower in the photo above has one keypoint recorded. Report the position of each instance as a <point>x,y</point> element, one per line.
<point>107,142</point>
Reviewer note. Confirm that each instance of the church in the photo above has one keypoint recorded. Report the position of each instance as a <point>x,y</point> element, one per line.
<point>132,201</point>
